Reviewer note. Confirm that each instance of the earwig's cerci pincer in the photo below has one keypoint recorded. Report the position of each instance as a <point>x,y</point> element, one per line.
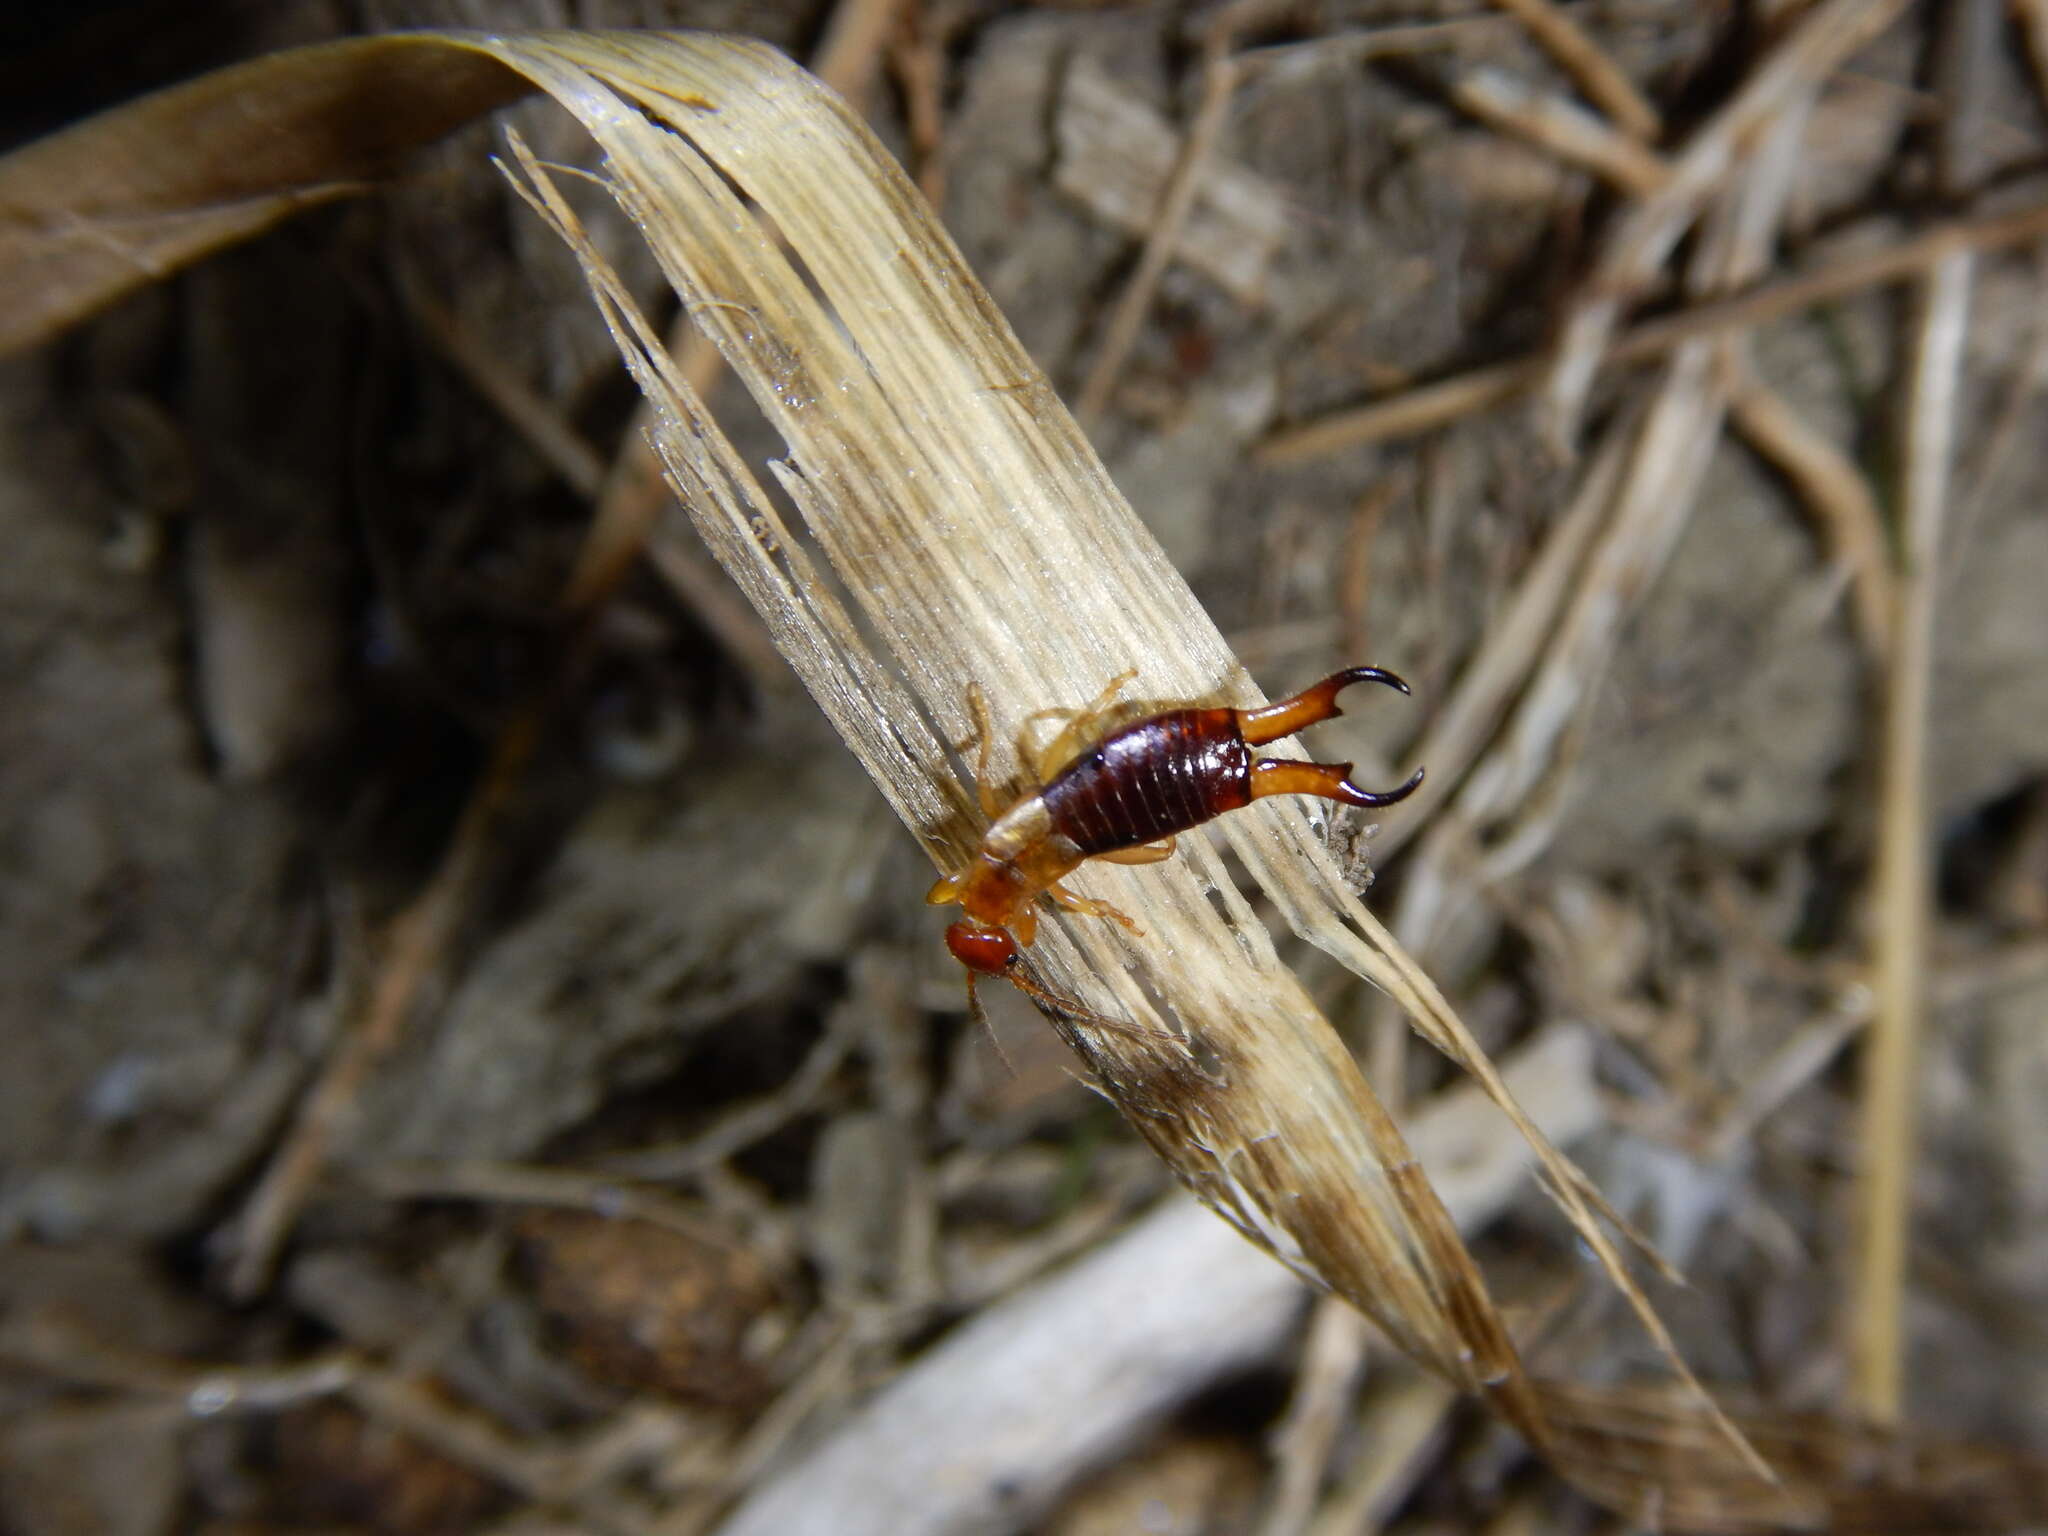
<point>1124,798</point>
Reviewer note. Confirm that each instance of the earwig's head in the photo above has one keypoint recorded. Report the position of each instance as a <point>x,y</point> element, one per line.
<point>991,951</point>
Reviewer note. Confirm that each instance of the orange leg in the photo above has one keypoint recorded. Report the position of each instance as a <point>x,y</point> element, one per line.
<point>1144,853</point>
<point>1088,906</point>
<point>984,731</point>
<point>1270,722</point>
<point>1048,760</point>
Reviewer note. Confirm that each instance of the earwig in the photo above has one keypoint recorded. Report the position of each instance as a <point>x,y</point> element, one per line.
<point>1125,799</point>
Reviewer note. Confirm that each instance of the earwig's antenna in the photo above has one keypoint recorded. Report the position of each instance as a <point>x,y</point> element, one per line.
<point>980,1016</point>
<point>1067,1008</point>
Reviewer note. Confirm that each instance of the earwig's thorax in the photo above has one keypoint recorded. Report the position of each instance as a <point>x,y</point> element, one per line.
<point>1021,854</point>
<point>1014,833</point>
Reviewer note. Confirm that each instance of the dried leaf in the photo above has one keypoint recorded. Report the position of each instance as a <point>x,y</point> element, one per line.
<point>128,197</point>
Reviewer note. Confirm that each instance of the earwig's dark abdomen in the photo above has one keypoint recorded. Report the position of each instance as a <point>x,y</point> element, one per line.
<point>1151,780</point>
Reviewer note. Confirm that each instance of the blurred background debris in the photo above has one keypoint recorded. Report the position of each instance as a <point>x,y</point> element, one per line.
<point>471,1059</point>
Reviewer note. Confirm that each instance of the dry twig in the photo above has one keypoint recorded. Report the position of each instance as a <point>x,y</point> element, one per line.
<point>1902,889</point>
<point>855,43</point>
<point>1833,489</point>
<point>1644,237</point>
<point>1404,1421</point>
<point>1435,405</point>
<point>1604,82</point>
<point>1218,80</point>
<point>1563,127</point>
<point>1332,1358</point>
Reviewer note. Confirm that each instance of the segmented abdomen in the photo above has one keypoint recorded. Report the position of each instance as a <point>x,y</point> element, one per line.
<point>1151,780</point>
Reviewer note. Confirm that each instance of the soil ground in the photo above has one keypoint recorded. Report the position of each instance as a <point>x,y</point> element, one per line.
<point>265,609</point>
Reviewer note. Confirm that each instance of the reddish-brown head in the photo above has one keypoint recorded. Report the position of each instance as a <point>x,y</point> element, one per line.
<point>990,951</point>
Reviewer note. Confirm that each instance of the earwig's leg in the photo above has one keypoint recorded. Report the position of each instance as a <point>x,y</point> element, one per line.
<point>1331,781</point>
<point>1144,853</point>
<point>1270,722</point>
<point>1047,761</point>
<point>1088,906</point>
<point>984,733</point>
<point>1029,758</point>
